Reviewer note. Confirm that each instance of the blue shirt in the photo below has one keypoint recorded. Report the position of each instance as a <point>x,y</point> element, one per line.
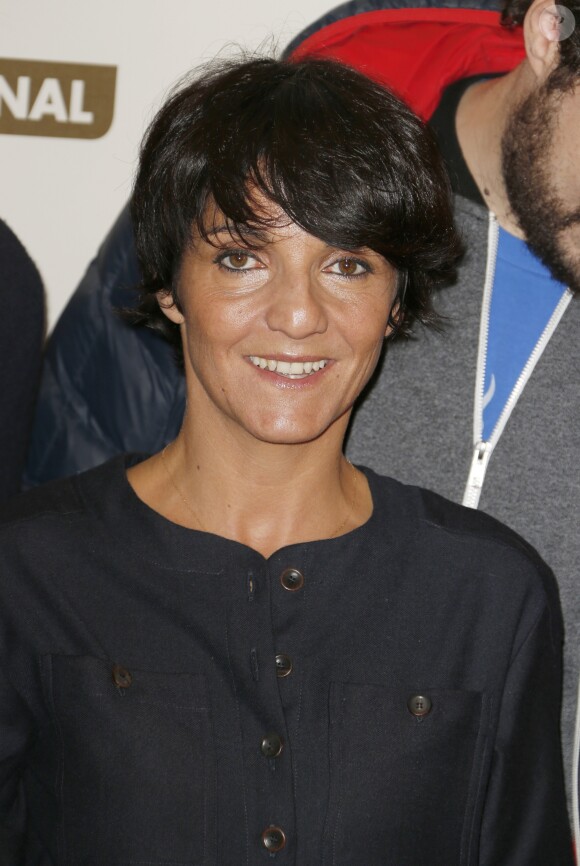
<point>523,301</point>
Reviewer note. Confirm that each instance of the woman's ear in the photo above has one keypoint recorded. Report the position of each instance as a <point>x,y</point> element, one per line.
<point>397,309</point>
<point>542,35</point>
<point>168,306</point>
<point>394,319</point>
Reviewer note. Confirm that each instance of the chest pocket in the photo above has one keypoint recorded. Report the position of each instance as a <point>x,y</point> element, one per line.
<point>405,768</point>
<point>137,773</point>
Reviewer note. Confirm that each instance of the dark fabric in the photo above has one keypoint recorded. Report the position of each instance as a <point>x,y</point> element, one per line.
<point>21,336</point>
<point>106,387</point>
<point>158,761</point>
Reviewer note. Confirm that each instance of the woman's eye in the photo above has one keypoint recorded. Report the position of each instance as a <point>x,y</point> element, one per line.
<point>238,260</point>
<point>348,268</point>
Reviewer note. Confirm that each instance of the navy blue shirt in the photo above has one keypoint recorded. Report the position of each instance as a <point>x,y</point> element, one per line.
<point>524,298</point>
<point>142,668</point>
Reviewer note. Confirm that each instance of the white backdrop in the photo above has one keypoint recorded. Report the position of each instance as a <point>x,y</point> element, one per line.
<point>60,195</point>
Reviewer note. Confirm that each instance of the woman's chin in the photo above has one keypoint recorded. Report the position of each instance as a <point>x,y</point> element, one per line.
<point>287,432</point>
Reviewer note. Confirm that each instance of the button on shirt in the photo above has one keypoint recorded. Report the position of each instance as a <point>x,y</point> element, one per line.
<point>145,675</point>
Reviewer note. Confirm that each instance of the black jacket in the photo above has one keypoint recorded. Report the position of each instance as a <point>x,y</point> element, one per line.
<point>21,337</point>
<point>409,688</point>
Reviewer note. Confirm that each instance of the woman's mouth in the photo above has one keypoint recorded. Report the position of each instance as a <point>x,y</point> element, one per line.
<point>289,369</point>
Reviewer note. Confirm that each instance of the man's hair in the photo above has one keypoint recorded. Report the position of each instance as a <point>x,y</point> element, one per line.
<point>340,155</point>
<point>568,72</point>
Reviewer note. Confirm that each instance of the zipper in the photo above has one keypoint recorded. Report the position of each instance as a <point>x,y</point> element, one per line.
<point>482,450</point>
<point>575,778</point>
<point>476,477</point>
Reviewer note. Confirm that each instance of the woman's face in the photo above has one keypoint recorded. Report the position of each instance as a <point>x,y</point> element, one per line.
<point>279,336</point>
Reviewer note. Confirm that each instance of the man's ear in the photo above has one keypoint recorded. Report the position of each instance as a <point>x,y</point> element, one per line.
<point>542,34</point>
<point>168,306</point>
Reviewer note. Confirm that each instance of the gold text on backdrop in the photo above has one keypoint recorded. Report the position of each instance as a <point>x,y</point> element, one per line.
<point>65,100</point>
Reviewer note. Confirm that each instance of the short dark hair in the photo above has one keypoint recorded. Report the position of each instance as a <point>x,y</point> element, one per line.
<point>568,71</point>
<point>339,154</point>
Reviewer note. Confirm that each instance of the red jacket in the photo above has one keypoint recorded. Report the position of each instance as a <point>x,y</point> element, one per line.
<point>416,51</point>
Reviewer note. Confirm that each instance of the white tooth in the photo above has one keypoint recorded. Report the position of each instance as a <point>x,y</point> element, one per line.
<point>308,367</point>
<point>322,364</point>
<point>297,367</point>
<point>263,363</point>
<point>315,367</point>
<point>283,367</point>
<point>271,365</point>
<point>254,360</point>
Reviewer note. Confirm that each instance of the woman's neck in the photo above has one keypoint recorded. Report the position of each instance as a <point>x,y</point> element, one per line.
<point>262,494</point>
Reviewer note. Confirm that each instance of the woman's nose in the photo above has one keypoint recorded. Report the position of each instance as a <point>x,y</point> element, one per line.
<point>296,306</point>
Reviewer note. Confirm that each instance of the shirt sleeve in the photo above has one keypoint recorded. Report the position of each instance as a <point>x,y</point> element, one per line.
<point>525,821</point>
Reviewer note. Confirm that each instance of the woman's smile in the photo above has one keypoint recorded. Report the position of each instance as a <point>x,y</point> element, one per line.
<point>294,369</point>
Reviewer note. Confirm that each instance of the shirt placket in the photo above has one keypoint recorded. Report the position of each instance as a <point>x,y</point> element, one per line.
<point>265,667</point>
